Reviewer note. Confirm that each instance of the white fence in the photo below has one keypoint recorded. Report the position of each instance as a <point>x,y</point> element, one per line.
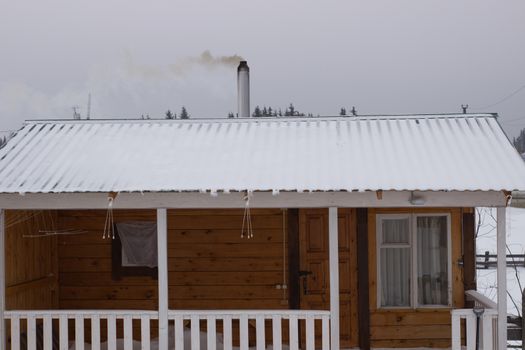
<point>189,330</point>
<point>488,324</point>
<point>46,328</point>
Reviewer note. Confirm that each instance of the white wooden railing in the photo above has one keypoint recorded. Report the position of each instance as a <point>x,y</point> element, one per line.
<point>274,319</point>
<point>53,324</point>
<point>112,329</point>
<point>488,324</point>
<point>480,300</point>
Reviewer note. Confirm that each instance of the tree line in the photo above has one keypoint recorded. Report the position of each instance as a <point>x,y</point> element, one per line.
<point>259,112</point>
<point>182,115</point>
<point>290,111</point>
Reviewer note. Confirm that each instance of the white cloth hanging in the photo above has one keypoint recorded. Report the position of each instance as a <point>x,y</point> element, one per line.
<point>139,242</point>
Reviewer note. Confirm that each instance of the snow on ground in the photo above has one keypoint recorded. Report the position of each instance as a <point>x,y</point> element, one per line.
<point>486,241</point>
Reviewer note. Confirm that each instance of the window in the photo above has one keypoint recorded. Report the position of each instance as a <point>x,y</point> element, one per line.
<point>413,260</point>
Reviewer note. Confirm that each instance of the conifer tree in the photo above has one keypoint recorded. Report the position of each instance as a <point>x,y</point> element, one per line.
<point>257,112</point>
<point>184,113</point>
<point>519,142</point>
<point>170,115</point>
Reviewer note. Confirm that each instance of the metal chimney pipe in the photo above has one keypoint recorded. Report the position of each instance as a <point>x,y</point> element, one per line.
<point>243,90</point>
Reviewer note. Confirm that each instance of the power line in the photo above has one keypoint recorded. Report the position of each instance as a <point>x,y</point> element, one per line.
<point>503,99</point>
<point>515,119</point>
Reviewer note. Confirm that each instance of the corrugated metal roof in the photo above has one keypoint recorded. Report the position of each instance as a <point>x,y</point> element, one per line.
<point>437,152</point>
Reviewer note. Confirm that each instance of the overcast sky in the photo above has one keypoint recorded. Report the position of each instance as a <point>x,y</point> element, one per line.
<point>142,57</point>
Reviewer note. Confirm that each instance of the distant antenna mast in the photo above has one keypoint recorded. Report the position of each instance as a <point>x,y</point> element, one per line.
<point>76,114</point>
<point>89,106</point>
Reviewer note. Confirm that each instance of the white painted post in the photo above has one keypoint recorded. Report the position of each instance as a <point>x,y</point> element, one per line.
<point>95,332</point>
<point>144,332</point>
<point>456,332</point>
<point>243,325</point>
<point>333,246</point>
<point>162,256</point>
<point>326,333</point>
<point>179,332</point>
<point>212,332</point>
<point>79,332</point>
<point>502,278</point>
<point>277,332</point>
<point>195,332</point>
<point>227,332</point>
<point>310,333</point>
<point>294,333</point>
<point>260,333</point>
<point>2,279</point>
<point>471,331</point>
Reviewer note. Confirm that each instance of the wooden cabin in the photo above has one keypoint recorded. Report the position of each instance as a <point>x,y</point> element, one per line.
<point>299,233</point>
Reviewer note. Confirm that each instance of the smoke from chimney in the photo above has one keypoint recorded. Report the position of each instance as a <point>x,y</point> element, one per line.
<point>243,89</point>
<point>206,59</point>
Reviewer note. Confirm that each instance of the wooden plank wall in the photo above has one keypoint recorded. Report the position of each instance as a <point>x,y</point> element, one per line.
<point>210,265</point>
<point>413,327</point>
<point>31,263</point>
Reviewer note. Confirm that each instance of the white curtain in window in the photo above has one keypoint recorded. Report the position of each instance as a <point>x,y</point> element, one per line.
<point>432,257</point>
<point>139,242</point>
<point>395,262</point>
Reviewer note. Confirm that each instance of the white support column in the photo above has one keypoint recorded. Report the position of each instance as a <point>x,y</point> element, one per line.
<point>162,255</point>
<point>502,278</point>
<point>2,279</point>
<point>333,246</point>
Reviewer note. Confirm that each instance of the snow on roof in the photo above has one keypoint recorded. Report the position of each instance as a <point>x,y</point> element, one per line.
<point>464,152</point>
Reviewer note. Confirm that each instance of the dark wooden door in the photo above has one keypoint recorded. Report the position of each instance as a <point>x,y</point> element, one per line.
<point>314,268</point>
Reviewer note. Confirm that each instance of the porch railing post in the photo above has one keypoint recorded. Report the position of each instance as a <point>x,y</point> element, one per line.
<point>333,246</point>
<point>502,278</point>
<point>2,280</point>
<point>162,256</point>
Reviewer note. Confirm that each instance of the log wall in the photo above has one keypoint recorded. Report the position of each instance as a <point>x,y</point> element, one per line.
<point>31,263</point>
<point>210,265</point>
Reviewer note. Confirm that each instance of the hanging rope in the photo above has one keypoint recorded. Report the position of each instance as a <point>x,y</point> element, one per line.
<point>247,228</point>
<point>109,229</point>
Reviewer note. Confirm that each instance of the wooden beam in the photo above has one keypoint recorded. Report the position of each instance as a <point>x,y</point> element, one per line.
<point>502,277</point>
<point>333,248</point>
<point>195,200</point>
<point>362,279</point>
<point>469,251</point>
<point>162,255</point>
<point>294,289</point>
<point>2,280</point>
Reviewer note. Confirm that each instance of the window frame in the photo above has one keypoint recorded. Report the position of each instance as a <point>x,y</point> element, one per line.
<point>412,245</point>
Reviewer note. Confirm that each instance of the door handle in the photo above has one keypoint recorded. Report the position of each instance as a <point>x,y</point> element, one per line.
<point>304,276</point>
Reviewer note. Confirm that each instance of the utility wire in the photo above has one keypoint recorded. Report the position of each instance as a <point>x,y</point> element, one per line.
<point>503,99</point>
<point>513,120</point>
